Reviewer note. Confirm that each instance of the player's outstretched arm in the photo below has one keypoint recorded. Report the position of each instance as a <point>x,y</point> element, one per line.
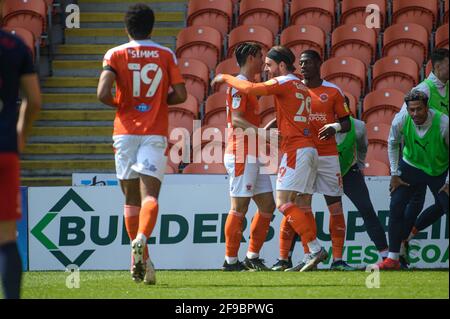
<point>179,94</point>
<point>105,85</point>
<point>31,104</point>
<point>243,86</point>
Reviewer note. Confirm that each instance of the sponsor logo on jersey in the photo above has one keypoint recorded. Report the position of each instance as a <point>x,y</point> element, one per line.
<point>143,108</point>
<point>319,117</point>
<point>249,187</point>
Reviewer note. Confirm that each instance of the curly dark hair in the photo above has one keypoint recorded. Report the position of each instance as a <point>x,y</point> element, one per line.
<point>416,95</point>
<point>139,21</point>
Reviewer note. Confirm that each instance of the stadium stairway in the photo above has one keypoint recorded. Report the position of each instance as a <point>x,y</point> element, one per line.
<point>73,131</point>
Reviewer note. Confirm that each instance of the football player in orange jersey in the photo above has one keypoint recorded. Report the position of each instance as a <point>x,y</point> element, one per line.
<point>298,167</point>
<point>327,104</point>
<point>246,179</point>
<point>143,72</point>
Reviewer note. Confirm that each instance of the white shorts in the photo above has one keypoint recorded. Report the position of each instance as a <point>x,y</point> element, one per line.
<point>140,154</point>
<point>250,182</point>
<point>301,179</point>
<point>329,179</point>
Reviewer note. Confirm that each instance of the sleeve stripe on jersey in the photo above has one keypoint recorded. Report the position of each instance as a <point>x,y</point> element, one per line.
<point>109,68</point>
<point>332,85</point>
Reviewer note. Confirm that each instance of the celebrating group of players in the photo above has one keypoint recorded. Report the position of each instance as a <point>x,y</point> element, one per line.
<point>323,148</point>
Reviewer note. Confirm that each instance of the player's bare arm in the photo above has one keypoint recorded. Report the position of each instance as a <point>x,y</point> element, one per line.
<point>31,104</point>
<point>329,130</point>
<point>179,94</point>
<point>104,89</point>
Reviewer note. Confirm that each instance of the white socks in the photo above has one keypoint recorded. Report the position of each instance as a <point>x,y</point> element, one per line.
<point>231,260</point>
<point>251,255</point>
<point>394,256</point>
<point>314,246</point>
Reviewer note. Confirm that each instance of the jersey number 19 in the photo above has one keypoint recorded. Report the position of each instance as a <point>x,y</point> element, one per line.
<point>140,75</point>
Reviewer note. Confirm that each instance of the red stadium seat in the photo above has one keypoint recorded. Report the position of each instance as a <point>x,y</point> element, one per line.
<point>446,11</point>
<point>381,106</point>
<point>400,73</point>
<point>305,37</point>
<point>376,168</point>
<point>267,109</point>
<point>346,72</point>
<point>354,11</point>
<point>170,169</point>
<point>202,168</point>
<point>355,40</point>
<point>378,133</point>
<point>216,109</point>
<point>245,33</point>
<point>30,15</point>
<point>353,106</point>
<point>441,37</point>
<point>316,12</point>
<point>378,152</point>
<point>26,36</point>
<point>421,12</point>
<point>196,76</point>
<point>214,13</point>
<point>183,115</point>
<point>267,13</point>
<point>428,68</point>
<point>406,39</point>
<point>200,42</point>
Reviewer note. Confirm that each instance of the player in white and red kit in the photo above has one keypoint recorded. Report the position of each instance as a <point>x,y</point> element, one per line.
<point>143,72</point>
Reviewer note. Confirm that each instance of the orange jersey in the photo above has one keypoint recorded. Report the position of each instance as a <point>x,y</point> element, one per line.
<point>144,72</point>
<point>327,104</point>
<point>248,106</point>
<point>293,105</point>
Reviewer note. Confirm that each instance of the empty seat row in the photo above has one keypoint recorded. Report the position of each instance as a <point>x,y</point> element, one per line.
<point>321,13</point>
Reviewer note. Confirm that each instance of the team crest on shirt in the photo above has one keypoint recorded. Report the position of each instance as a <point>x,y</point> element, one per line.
<point>324,97</point>
<point>143,108</point>
<point>236,102</point>
<point>249,187</point>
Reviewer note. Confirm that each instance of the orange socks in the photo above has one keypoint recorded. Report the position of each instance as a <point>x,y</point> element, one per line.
<point>287,235</point>
<point>233,233</point>
<point>131,214</point>
<point>298,219</point>
<point>258,231</point>
<point>148,216</point>
<point>312,221</point>
<point>337,229</point>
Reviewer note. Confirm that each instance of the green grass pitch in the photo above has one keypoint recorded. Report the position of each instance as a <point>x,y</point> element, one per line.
<point>217,284</point>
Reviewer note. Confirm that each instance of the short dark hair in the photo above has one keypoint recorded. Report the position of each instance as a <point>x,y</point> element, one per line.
<point>416,95</point>
<point>280,54</point>
<point>244,50</point>
<point>438,55</point>
<point>313,54</point>
<point>139,21</point>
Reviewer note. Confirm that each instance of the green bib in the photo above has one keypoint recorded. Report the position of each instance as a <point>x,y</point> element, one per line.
<point>436,101</point>
<point>429,153</point>
<point>347,149</point>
